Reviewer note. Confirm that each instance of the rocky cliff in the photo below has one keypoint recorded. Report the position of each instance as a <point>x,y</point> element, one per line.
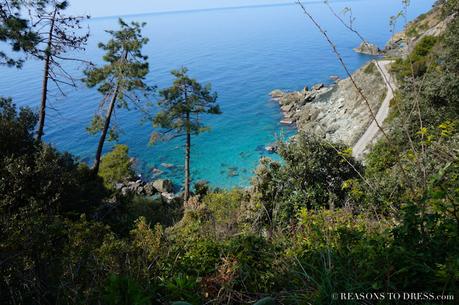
<point>338,112</point>
<point>433,23</point>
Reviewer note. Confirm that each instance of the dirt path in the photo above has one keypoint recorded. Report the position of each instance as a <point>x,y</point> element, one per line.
<point>373,130</point>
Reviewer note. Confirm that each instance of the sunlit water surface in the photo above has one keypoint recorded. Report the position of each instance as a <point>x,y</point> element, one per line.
<point>245,53</point>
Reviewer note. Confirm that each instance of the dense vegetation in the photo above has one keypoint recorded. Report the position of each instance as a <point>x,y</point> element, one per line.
<point>316,224</point>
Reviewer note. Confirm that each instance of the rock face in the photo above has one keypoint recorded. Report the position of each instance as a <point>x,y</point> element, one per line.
<point>169,197</point>
<point>163,186</point>
<point>272,148</point>
<point>336,113</point>
<point>335,78</point>
<point>339,113</point>
<point>150,189</point>
<point>368,49</point>
<point>131,187</point>
<point>430,24</point>
<point>292,102</point>
<point>397,46</point>
<point>142,188</point>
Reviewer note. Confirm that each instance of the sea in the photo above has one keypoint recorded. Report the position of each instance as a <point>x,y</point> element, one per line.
<point>243,52</point>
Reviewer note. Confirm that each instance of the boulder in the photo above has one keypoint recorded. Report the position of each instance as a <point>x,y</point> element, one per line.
<point>132,187</point>
<point>125,191</point>
<point>368,49</point>
<point>169,197</point>
<point>318,86</point>
<point>272,148</point>
<point>276,94</point>
<point>335,78</point>
<point>167,165</point>
<point>163,186</point>
<point>156,172</point>
<point>233,172</point>
<point>150,189</point>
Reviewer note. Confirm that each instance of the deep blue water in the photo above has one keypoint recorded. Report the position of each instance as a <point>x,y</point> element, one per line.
<point>244,52</point>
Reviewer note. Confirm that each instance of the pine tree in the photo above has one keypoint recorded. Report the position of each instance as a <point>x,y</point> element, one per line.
<point>16,30</point>
<point>120,80</point>
<point>59,34</point>
<point>182,106</point>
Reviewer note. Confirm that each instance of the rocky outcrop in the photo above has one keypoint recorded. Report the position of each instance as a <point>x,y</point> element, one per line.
<point>165,188</point>
<point>292,102</point>
<point>137,187</point>
<point>368,49</point>
<point>339,113</point>
<point>336,113</point>
<point>430,24</point>
<point>272,148</point>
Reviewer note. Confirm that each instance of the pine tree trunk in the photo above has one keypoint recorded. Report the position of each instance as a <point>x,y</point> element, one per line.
<point>105,131</point>
<point>44,93</point>
<point>187,161</point>
<point>103,136</point>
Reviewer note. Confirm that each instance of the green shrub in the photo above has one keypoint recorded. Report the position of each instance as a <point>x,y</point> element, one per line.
<point>312,176</point>
<point>116,166</point>
<point>183,287</point>
<point>370,68</point>
<point>225,208</point>
<point>419,61</point>
<point>16,129</point>
<point>125,291</point>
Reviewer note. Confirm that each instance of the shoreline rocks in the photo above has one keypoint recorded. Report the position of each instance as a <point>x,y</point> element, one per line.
<point>164,188</point>
<point>368,49</point>
<point>336,112</point>
<point>272,148</point>
<point>291,103</point>
<point>167,165</point>
<point>335,78</point>
<point>339,114</point>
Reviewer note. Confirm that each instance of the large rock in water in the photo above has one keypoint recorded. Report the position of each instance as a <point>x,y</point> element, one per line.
<point>277,94</point>
<point>368,49</point>
<point>150,189</point>
<point>164,186</point>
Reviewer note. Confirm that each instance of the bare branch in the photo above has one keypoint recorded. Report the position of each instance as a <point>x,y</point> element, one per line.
<point>359,90</point>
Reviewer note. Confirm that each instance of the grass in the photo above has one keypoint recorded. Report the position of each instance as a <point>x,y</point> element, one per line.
<point>370,69</point>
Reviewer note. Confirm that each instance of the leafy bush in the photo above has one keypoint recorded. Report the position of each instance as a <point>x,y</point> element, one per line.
<point>116,166</point>
<point>225,209</point>
<point>312,176</point>
<point>370,68</point>
<point>419,61</point>
<point>125,291</point>
<point>16,129</point>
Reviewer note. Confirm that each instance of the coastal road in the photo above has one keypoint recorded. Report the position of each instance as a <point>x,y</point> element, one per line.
<point>383,112</point>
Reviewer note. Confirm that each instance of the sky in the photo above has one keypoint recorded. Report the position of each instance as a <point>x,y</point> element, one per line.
<point>99,8</point>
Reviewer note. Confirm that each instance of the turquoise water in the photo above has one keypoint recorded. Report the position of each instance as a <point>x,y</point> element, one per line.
<point>244,52</point>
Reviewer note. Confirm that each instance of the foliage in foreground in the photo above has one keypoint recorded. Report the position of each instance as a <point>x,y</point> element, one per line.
<point>219,252</point>
<point>116,166</point>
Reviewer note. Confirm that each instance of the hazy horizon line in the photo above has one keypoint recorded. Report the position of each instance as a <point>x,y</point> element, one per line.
<point>223,8</point>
